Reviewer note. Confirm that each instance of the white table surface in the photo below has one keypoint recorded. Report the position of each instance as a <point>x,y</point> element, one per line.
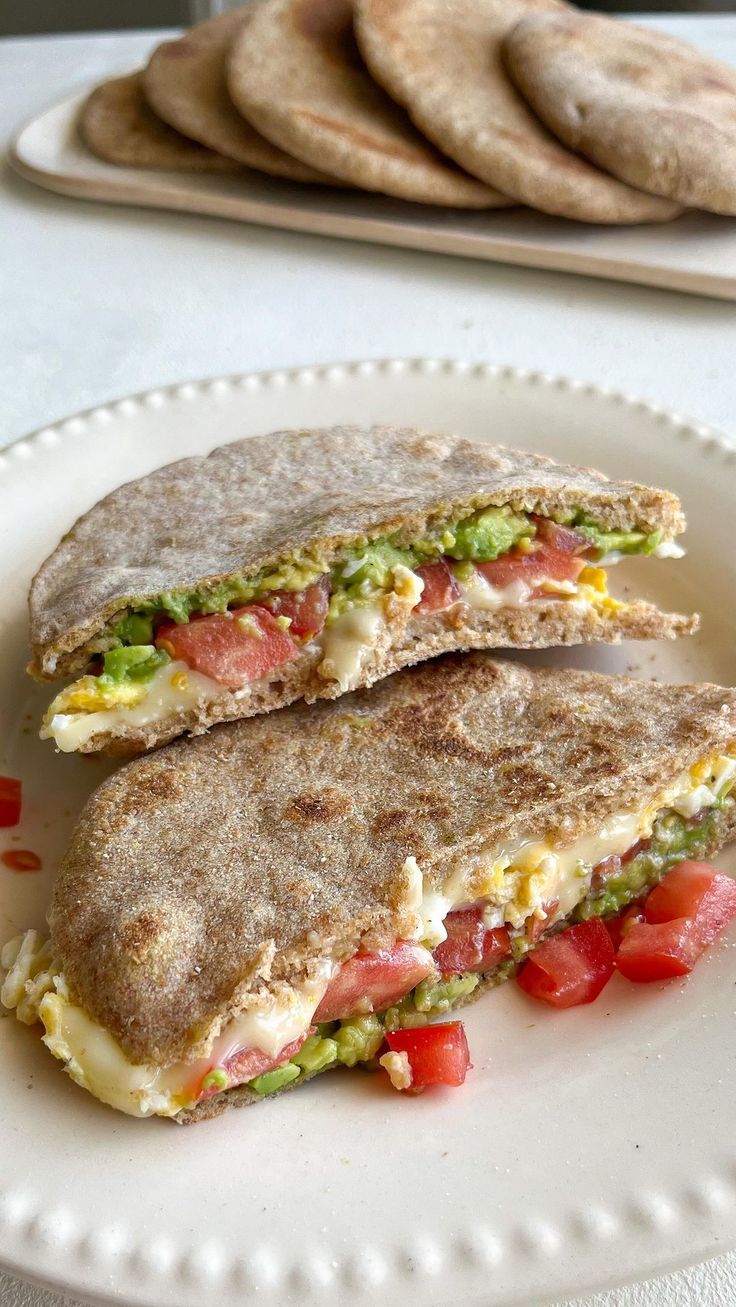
<point>97,302</point>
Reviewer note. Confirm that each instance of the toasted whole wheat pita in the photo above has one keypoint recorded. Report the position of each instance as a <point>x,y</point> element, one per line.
<point>118,126</point>
<point>184,83</point>
<point>651,109</point>
<point>203,878</point>
<point>441,59</point>
<point>296,74</point>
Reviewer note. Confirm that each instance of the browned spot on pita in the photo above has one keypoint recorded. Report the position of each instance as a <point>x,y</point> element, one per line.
<point>163,787</point>
<point>138,935</point>
<point>319,805</point>
<point>420,809</point>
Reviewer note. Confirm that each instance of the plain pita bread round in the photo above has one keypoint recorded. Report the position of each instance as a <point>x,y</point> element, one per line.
<point>117,125</point>
<point>651,109</point>
<point>296,74</point>
<point>184,83</point>
<point>441,59</point>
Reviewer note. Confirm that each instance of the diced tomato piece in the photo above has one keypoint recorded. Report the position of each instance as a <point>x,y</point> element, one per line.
<point>683,915</point>
<point>307,609</point>
<point>569,968</point>
<point>438,1055</point>
<point>610,866</point>
<point>371,982</point>
<point>562,538</point>
<point>470,945</point>
<point>246,1064</point>
<point>697,890</point>
<point>614,926</point>
<point>542,563</point>
<point>441,590</point>
<point>233,648</point>
<point>9,801</point>
<point>649,952</point>
<point>496,946</point>
<point>618,926</point>
<point>536,926</point>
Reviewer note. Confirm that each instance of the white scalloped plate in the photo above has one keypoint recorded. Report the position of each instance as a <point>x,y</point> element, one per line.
<point>587,1147</point>
<point>697,253</point>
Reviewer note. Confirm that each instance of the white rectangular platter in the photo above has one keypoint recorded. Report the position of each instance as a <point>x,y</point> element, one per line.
<point>696,253</point>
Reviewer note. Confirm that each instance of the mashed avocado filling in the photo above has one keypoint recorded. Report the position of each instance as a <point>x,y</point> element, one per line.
<point>366,570</point>
<point>674,838</point>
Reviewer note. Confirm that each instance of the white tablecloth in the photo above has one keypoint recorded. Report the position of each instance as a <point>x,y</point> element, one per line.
<point>98,302</point>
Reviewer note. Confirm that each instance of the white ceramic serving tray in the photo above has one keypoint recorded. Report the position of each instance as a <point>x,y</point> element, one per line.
<point>586,1148</point>
<point>697,253</point>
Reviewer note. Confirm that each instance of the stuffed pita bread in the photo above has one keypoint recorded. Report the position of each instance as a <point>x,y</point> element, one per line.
<point>303,564</point>
<point>241,911</point>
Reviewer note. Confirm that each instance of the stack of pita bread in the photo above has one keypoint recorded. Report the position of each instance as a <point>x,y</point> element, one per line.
<point>476,104</point>
<point>464,103</point>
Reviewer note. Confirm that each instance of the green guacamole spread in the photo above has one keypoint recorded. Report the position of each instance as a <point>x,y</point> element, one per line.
<point>672,841</point>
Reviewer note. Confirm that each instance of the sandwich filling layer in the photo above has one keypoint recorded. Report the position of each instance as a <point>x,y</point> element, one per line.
<point>474,927</point>
<point>186,650</point>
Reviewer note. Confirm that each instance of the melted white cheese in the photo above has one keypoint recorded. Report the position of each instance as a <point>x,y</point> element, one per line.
<point>95,1060</point>
<point>517,882</point>
<point>347,640</point>
<point>665,549</point>
<point>479,594</point>
<point>174,688</point>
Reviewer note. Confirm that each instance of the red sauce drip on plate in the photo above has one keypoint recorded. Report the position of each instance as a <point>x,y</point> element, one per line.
<point>21,860</point>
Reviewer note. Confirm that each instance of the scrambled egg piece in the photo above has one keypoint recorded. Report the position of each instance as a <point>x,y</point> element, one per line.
<point>593,587</point>
<point>96,694</point>
<point>399,1069</point>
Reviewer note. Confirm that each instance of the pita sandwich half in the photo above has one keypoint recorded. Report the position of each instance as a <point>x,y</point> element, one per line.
<point>441,59</point>
<point>240,912</point>
<point>304,564</point>
<point>117,125</point>
<point>296,74</point>
<point>184,83</point>
<point>651,109</point>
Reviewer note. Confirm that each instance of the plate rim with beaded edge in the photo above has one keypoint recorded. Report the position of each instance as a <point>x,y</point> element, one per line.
<point>586,1149</point>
